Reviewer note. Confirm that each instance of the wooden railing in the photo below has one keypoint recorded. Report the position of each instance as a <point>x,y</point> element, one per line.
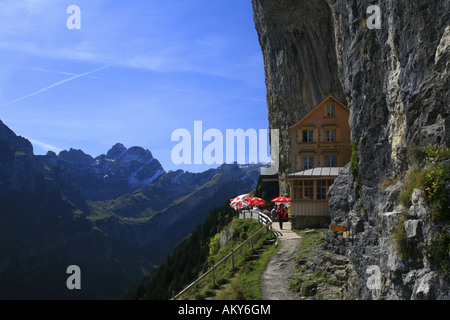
<point>263,219</point>
<point>267,224</point>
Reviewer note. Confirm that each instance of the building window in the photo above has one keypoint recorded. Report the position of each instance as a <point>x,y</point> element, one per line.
<point>307,136</point>
<point>304,189</point>
<point>330,161</point>
<point>330,135</point>
<point>322,188</point>
<point>308,188</point>
<point>298,189</point>
<point>308,163</point>
<point>331,110</point>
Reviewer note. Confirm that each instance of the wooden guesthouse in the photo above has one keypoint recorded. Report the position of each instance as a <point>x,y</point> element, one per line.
<point>320,147</point>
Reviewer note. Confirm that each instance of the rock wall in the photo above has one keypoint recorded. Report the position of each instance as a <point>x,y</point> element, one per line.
<point>297,41</point>
<point>395,80</point>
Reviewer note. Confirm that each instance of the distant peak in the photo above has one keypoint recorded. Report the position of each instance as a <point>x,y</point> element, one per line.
<point>138,150</point>
<point>116,151</point>
<point>75,155</point>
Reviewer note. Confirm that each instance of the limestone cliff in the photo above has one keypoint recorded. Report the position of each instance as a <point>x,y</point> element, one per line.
<point>395,80</point>
<point>300,63</point>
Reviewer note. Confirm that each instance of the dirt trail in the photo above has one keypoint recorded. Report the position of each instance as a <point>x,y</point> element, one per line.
<point>275,280</point>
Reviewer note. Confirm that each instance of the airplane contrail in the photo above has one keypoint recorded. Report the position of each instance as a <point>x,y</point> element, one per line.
<point>45,146</point>
<point>55,85</point>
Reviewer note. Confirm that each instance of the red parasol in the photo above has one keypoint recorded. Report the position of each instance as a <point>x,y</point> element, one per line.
<point>283,200</point>
<point>255,201</point>
<point>239,202</point>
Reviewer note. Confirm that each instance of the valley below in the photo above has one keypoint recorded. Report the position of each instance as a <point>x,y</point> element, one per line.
<point>116,216</point>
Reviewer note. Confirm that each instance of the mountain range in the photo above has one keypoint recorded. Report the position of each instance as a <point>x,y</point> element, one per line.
<point>116,216</point>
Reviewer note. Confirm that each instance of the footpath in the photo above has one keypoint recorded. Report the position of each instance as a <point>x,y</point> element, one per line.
<point>281,268</point>
<point>281,272</point>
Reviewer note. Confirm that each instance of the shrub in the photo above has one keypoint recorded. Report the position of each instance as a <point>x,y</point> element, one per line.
<point>417,155</point>
<point>438,252</point>
<point>432,180</point>
<point>435,179</point>
<point>214,244</point>
<point>421,155</point>
<point>399,239</point>
<point>437,153</point>
<point>414,179</point>
<point>354,167</point>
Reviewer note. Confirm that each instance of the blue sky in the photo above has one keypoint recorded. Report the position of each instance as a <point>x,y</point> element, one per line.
<point>135,72</point>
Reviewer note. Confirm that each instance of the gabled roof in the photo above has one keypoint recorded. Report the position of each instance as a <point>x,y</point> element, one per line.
<point>323,102</point>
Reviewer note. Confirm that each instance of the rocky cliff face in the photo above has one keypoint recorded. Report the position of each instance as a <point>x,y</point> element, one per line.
<point>300,63</point>
<point>395,80</point>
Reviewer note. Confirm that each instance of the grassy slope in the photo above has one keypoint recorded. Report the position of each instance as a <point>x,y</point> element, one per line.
<point>244,281</point>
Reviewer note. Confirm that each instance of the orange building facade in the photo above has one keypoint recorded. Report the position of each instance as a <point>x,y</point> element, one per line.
<point>320,147</point>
